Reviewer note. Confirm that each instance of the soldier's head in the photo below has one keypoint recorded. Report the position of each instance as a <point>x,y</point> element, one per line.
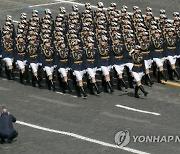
<point>157,33</point>
<point>162,12</point>
<point>88,6</point>
<point>7,34</point>
<point>62,44</point>
<point>145,35</point>
<point>31,40</point>
<point>35,13</point>
<point>23,16</point>
<point>176,14</point>
<point>137,49</point>
<point>75,8</point>
<point>113,5</point>
<point>90,41</point>
<point>100,5</point>
<point>47,11</point>
<point>9,18</point>
<point>130,37</point>
<point>148,9</point>
<point>104,40</point>
<point>20,38</point>
<point>47,43</point>
<point>170,31</point>
<point>149,15</point>
<point>116,38</point>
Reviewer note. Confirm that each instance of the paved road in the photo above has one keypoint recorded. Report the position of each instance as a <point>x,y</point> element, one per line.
<point>98,117</point>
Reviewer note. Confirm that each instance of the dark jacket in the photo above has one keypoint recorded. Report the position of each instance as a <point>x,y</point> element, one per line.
<point>6,126</point>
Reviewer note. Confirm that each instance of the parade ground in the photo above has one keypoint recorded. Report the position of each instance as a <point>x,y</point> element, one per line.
<point>55,123</point>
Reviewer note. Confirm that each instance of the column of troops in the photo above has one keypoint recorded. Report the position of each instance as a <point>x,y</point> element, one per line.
<point>82,43</point>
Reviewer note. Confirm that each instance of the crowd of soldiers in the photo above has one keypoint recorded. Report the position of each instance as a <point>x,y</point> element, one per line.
<point>82,43</point>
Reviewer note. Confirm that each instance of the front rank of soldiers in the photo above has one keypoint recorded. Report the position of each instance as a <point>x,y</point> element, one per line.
<point>79,45</point>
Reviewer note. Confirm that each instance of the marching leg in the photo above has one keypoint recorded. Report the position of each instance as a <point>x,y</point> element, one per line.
<point>90,87</point>
<point>21,77</point>
<point>143,90</point>
<point>83,92</point>
<point>136,92</point>
<point>130,79</point>
<point>33,81</point>
<point>96,87</point>
<point>109,86</point>
<point>176,73</point>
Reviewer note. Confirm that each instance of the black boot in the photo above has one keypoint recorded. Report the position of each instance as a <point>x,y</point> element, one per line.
<point>159,77</point>
<point>11,74</point>
<point>109,86</point>
<point>39,82</point>
<point>143,90</point>
<point>2,141</point>
<point>130,79</point>
<point>90,87</point>
<point>52,85</point>
<point>154,70</point>
<point>148,80</point>
<point>26,74</point>
<point>83,92</point>
<point>171,74</point>
<point>61,83</point>
<point>104,85</point>
<point>7,73</point>
<point>78,91</point>
<point>21,77</point>
<point>48,83</point>
<point>63,87</point>
<point>176,73</point>
<point>68,86</point>
<point>96,87</point>
<point>163,76</point>
<point>0,68</point>
<point>169,71</point>
<point>119,84</point>
<point>136,92</point>
<point>33,81</point>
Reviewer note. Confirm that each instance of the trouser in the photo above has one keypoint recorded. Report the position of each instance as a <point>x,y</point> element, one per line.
<point>11,136</point>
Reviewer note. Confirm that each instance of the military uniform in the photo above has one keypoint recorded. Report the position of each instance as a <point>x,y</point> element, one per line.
<point>138,70</point>
<point>77,65</point>
<point>21,57</point>
<point>33,59</point>
<point>62,60</point>
<point>8,45</point>
<point>47,58</point>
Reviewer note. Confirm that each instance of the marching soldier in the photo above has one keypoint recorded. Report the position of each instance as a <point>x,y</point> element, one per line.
<point>158,53</point>
<point>118,50</point>
<point>8,45</point>
<point>145,46</point>
<point>129,45</point>
<point>21,58</point>
<point>171,40</point>
<point>33,60</point>
<point>105,62</point>
<point>48,63</point>
<point>91,64</point>
<point>62,57</point>
<point>78,67</point>
<point>138,69</point>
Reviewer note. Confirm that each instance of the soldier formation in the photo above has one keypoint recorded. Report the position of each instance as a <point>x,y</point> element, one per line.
<point>82,43</point>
